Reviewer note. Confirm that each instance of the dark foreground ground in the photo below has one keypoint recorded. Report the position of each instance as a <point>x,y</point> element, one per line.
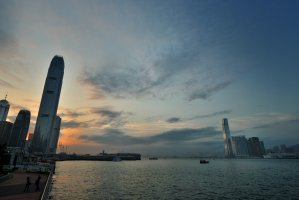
<point>13,188</point>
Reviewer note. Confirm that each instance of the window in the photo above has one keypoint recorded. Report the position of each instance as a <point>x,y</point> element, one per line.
<point>50,92</point>
<point>52,78</point>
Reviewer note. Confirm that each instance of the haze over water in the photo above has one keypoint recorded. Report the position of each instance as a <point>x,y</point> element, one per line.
<point>177,179</point>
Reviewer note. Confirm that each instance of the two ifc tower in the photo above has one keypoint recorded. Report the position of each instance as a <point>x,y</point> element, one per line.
<point>47,126</point>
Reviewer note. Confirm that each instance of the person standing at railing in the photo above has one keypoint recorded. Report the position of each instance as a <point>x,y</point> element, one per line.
<point>37,183</point>
<point>28,183</point>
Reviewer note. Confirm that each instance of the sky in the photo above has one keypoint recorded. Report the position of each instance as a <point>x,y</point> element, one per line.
<point>156,77</point>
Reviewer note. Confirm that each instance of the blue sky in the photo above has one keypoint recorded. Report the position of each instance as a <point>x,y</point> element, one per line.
<point>157,75</point>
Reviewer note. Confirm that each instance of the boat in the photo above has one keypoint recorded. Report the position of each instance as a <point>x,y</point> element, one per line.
<point>153,158</point>
<point>204,161</point>
<point>116,159</point>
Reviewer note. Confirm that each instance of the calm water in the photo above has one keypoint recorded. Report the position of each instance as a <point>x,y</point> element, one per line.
<point>177,179</point>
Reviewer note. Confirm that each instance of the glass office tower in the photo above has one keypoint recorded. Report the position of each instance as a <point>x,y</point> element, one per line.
<point>228,151</point>
<point>55,135</point>
<point>4,107</point>
<point>20,129</point>
<point>48,107</point>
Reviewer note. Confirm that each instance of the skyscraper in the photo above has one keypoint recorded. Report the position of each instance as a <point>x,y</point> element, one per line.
<point>4,107</point>
<point>20,129</point>
<point>48,107</point>
<point>5,130</point>
<point>240,146</point>
<point>256,147</point>
<point>55,135</point>
<point>228,151</point>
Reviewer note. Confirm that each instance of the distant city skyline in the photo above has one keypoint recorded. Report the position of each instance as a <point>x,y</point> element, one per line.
<point>156,77</point>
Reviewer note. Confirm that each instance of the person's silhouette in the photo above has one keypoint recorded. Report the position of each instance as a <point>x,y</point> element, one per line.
<point>37,183</point>
<point>28,183</point>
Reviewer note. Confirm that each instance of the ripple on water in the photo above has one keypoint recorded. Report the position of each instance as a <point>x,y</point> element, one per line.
<point>177,179</point>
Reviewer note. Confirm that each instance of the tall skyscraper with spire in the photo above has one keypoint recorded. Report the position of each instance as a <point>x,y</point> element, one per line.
<point>4,107</point>
<point>48,107</point>
<point>228,150</point>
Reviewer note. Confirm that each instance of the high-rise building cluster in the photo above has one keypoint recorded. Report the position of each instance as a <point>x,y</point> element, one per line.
<point>13,134</point>
<point>281,149</point>
<point>47,128</point>
<point>240,146</point>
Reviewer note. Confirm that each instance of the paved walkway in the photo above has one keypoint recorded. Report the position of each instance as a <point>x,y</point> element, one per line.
<point>13,188</point>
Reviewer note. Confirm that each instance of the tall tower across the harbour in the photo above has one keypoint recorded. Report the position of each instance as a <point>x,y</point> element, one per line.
<point>228,150</point>
<point>48,107</point>
<point>4,107</point>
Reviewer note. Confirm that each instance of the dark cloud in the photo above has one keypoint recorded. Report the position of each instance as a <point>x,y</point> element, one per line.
<point>173,120</point>
<point>119,83</point>
<point>128,80</point>
<point>109,117</point>
<point>105,112</point>
<point>116,137</point>
<point>183,135</point>
<point>103,116</point>
<point>176,119</point>
<point>208,91</point>
<point>70,113</point>
<point>73,124</point>
<point>222,112</point>
<point>113,137</point>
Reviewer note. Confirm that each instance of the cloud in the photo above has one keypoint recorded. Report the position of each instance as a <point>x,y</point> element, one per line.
<point>183,135</point>
<point>16,107</point>
<point>173,120</point>
<point>73,124</point>
<point>105,112</point>
<point>116,137</point>
<point>70,113</point>
<point>273,128</point>
<point>260,120</point>
<point>208,91</point>
<point>108,117</point>
<point>222,112</point>
<point>113,137</point>
<point>119,82</point>
<point>177,119</point>
<point>152,66</point>
<point>6,84</point>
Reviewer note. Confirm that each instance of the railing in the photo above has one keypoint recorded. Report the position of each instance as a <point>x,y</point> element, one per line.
<point>45,194</point>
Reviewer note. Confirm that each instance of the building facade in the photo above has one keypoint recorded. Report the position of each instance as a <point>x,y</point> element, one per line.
<point>48,107</point>
<point>256,147</point>
<point>240,146</point>
<point>20,129</point>
<point>55,135</point>
<point>228,151</point>
<point>5,131</point>
<point>4,108</point>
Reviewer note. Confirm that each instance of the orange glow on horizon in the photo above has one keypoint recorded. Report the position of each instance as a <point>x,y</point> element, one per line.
<point>69,136</point>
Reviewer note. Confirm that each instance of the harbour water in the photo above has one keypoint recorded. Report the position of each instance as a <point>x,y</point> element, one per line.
<point>177,179</point>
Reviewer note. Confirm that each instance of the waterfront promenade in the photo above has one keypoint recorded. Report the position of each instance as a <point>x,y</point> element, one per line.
<point>13,188</point>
